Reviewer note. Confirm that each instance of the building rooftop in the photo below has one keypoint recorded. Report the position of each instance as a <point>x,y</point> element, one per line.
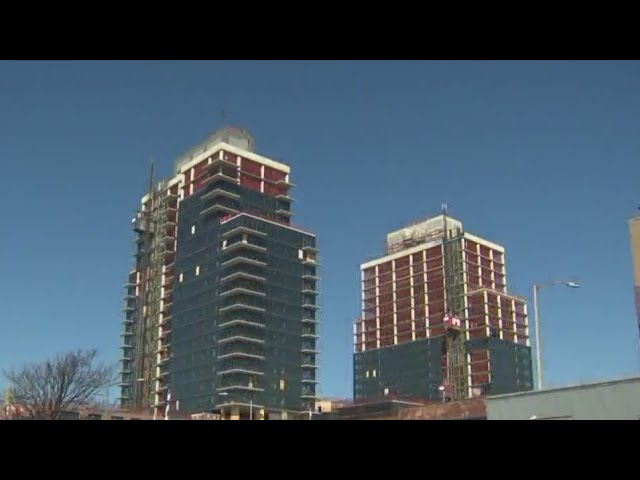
<point>421,231</point>
<point>570,387</point>
<point>235,136</point>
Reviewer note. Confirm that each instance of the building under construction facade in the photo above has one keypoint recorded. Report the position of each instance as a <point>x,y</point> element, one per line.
<point>220,311</point>
<point>634,230</point>
<point>437,321</point>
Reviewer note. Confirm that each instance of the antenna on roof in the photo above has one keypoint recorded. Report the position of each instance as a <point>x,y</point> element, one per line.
<point>444,208</point>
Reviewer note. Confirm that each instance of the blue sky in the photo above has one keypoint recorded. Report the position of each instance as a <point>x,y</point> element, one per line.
<point>541,157</point>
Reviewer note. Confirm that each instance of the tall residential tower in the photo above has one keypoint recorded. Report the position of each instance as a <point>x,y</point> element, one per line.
<point>634,230</point>
<point>220,311</point>
<point>437,321</point>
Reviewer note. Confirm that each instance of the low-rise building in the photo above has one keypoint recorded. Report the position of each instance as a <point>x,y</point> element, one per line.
<point>610,400</point>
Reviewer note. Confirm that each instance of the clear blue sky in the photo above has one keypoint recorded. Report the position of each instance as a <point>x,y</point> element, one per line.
<point>541,157</point>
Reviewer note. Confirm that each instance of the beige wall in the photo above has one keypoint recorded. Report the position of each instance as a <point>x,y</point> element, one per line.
<point>634,228</point>
<point>325,405</point>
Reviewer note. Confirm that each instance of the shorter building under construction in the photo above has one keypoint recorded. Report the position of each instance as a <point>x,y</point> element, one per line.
<point>437,321</point>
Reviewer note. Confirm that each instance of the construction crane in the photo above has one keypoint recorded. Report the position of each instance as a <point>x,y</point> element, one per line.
<point>454,385</point>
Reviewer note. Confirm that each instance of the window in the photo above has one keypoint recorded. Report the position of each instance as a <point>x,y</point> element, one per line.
<point>386,391</point>
<point>374,373</point>
<point>367,374</point>
<point>282,385</point>
<point>197,270</point>
<point>181,277</point>
<point>193,229</point>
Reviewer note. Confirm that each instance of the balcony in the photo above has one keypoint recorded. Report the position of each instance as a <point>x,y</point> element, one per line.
<point>284,182</point>
<point>309,320</point>
<point>285,197</point>
<point>310,306</point>
<point>311,351</point>
<point>310,335</point>
<point>242,229</point>
<point>310,291</point>
<point>215,162</point>
<point>168,250</point>
<point>309,248</point>
<point>309,261</point>
<point>242,275</point>
<point>167,237</point>
<point>240,387</point>
<point>218,208</point>
<point>218,192</point>
<point>169,221</point>
<point>308,365</point>
<point>284,213</point>
<point>243,245</point>
<point>243,260</point>
<point>240,355</point>
<point>139,253</point>
<point>128,307</point>
<point>241,323</point>
<point>308,380</point>
<point>219,177</point>
<point>126,333</point>
<point>241,306</point>
<point>240,370</point>
<point>240,290</point>
<point>308,276</point>
<point>240,338</point>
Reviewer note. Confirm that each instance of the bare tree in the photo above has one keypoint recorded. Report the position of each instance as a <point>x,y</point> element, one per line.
<point>44,390</point>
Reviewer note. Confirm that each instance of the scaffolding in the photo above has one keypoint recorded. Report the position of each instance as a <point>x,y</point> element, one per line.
<point>154,253</point>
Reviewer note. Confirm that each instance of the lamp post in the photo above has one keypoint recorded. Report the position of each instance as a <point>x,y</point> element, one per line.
<point>536,288</point>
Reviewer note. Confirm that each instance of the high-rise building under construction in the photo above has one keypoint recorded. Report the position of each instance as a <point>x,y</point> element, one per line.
<point>437,321</point>
<point>220,309</point>
<point>634,230</point>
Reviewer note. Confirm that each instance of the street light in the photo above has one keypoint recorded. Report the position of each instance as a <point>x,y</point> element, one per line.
<point>536,289</point>
<point>227,394</point>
